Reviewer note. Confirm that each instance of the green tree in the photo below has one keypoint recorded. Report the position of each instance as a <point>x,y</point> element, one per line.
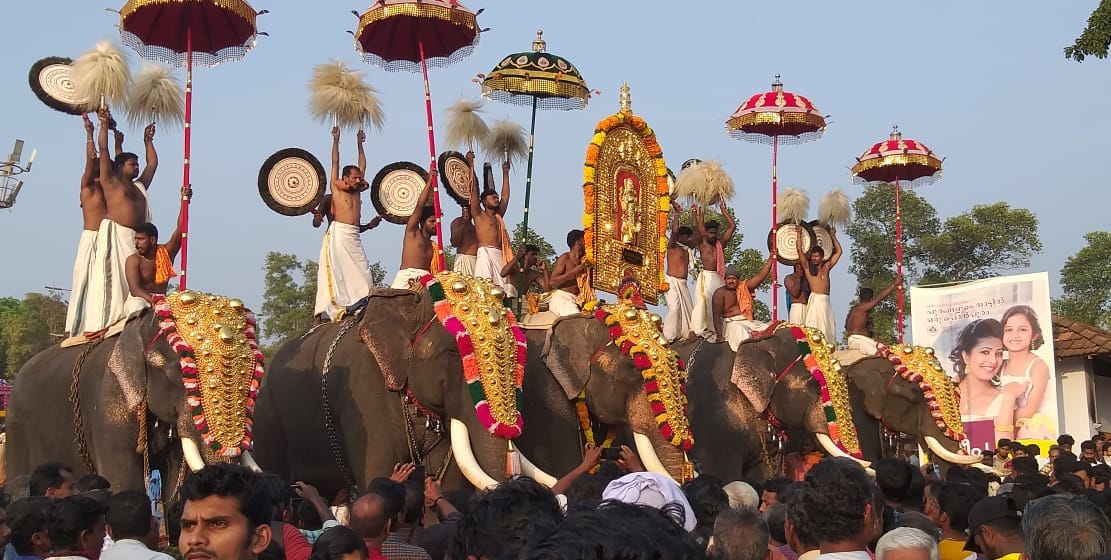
<point>981,243</point>
<point>872,231</point>
<point>1096,37</point>
<point>29,327</point>
<point>522,236</point>
<point>289,295</point>
<point>1086,293</point>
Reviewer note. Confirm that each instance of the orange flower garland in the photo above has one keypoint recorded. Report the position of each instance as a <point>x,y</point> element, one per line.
<point>648,136</point>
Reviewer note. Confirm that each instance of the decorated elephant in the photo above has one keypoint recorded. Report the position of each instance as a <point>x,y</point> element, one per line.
<point>346,401</point>
<point>177,385</point>
<point>603,373</point>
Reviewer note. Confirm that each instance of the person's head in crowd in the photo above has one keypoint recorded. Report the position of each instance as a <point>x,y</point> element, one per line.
<point>885,517</point>
<point>90,482</point>
<point>1003,448</point>
<point>129,518</point>
<point>893,477</point>
<point>994,528</point>
<point>1053,453</point>
<point>462,499</point>
<point>1065,442</point>
<point>339,543</point>
<point>1024,466</point>
<point>836,501</point>
<point>1081,470</point>
<point>658,491</point>
<point>372,518</point>
<point>1105,453</point>
<point>954,502</point>
<point>225,515</point>
<point>930,492</point>
<point>776,517</point>
<point>799,529</point>
<point>1101,500</point>
<point>1063,527</point>
<point>1069,484</point>
<point>1101,477</point>
<point>503,518</point>
<point>919,521</point>
<point>1032,450</point>
<point>742,494</point>
<point>308,519</point>
<point>414,503</point>
<point>1088,451</point>
<point>707,500</point>
<point>76,527</point>
<point>906,543</point>
<point>772,488</point>
<point>278,492</point>
<point>740,534</point>
<point>1018,450</point>
<point>611,530</point>
<point>585,489</point>
<point>916,491</point>
<point>53,480</point>
<point>27,518</point>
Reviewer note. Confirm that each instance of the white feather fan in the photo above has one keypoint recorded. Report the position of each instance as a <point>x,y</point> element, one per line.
<point>465,126</point>
<point>834,209</point>
<point>507,140</point>
<point>793,205</point>
<point>339,95</point>
<point>101,75</point>
<point>155,96</point>
<point>706,183</point>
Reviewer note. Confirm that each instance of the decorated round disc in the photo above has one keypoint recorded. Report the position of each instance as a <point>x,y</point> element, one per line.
<point>786,242</point>
<point>52,81</point>
<point>823,238</point>
<point>396,188</point>
<point>457,175</point>
<point>292,182</point>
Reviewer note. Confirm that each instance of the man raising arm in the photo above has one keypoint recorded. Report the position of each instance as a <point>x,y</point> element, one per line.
<point>678,322</point>
<point>93,210</point>
<point>733,306</point>
<point>526,263</point>
<point>494,247</point>
<point>416,245</point>
<point>819,310</point>
<point>709,280</point>
<point>568,277</point>
<point>150,269</point>
<point>858,325</point>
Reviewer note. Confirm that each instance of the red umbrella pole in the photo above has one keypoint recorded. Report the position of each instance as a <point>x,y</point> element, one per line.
<point>185,167</point>
<point>775,198</point>
<point>432,167</point>
<point>899,259</point>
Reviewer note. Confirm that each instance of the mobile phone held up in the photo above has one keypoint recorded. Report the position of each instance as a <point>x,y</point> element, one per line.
<point>611,453</point>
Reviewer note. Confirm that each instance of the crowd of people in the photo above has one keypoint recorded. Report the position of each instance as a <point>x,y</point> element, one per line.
<point>835,510</point>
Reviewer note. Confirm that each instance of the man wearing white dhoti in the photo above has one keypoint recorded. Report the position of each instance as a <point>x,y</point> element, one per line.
<point>417,249</point>
<point>495,248</point>
<point>711,251</point>
<point>93,210</point>
<point>343,272</point>
<point>734,321</point>
<point>465,242</point>
<point>677,324</point>
<point>819,310</point>
<point>858,324</point>
<point>570,278</point>
<point>798,291</point>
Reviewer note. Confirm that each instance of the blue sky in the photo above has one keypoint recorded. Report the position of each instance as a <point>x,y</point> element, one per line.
<point>984,84</point>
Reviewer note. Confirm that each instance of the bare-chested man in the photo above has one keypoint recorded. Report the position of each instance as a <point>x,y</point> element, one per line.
<point>494,247</point>
<point>567,273</point>
<point>343,273</point>
<point>711,250</point>
<point>465,242</point>
<point>819,310</point>
<point>150,269</point>
<point>798,290</point>
<point>733,306</point>
<point>93,210</point>
<point>858,324</point>
<point>679,305</point>
<point>106,298</point>
<point>416,246</point>
<point>324,209</point>
<point>527,263</point>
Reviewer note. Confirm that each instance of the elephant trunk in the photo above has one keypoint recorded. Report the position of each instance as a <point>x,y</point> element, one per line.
<point>657,455</point>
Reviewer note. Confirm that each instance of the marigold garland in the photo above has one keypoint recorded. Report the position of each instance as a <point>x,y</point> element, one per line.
<point>475,387</point>
<point>664,375</point>
<point>191,381</point>
<point>817,354</point>
<point>918,365</point>
<point>663,189</point>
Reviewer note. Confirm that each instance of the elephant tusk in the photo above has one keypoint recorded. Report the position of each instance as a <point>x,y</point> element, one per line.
<point>246,460</point>
<point>464,457</point>
<point>192,454</point>
<point>648,456</point>
<point>835,451</point>
<point>948,456</point>
<point>529,469</point>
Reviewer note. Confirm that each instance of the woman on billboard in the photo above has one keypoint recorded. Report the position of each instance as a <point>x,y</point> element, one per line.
<point>1022,334</point>
<point>987,409</point>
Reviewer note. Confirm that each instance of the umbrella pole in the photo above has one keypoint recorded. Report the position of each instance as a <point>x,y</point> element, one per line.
<point>528,192</point>
<point>432,167</point>
<point>185,167</point>
<point>775,218</point>
<point>899,259</point>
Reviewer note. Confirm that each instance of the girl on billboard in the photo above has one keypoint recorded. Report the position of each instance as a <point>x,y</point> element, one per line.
<point>1021,336</point>
<point>987,409</point>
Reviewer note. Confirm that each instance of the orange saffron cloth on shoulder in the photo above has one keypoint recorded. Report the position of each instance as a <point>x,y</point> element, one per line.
<point>163,266</point>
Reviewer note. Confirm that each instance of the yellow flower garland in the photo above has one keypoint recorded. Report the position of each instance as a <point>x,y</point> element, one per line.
<point>646,134</point>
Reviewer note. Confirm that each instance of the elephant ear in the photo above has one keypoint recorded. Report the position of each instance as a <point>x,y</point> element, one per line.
<point>563,359</point>
<point>755,372</point>
<point>128,360</point>
<point>390,326</point>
